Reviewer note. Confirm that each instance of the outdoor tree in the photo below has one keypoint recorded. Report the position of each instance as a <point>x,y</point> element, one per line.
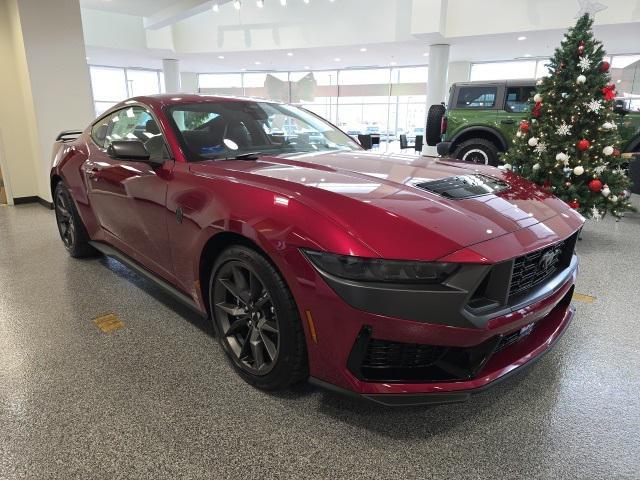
<point>569,142</point>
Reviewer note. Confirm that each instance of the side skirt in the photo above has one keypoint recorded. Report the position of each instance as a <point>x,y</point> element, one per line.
<point>109,251</point>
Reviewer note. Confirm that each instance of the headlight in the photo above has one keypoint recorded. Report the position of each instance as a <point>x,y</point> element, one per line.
<point>380,270</point>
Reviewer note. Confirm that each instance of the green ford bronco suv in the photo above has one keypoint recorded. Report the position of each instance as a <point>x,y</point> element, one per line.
<point>482,118</point>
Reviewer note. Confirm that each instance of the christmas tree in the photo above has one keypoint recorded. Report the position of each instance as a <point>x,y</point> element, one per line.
<point>569,143</point>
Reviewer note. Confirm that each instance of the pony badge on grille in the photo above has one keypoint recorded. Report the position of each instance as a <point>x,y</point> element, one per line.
<point>548,259</point>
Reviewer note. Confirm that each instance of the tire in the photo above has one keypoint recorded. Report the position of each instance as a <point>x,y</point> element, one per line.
<point>477,150</point>
<point>72,231</point>
<point>434,119</point>
<point>256,320</point>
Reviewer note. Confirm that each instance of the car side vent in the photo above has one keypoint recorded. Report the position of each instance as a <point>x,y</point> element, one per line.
<point>464,186</point>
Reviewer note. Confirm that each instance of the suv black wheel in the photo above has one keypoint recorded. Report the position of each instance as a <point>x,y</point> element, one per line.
<point>256,320</point>
<point>72,231</point>
<point>434,124</point>
<point>477,150</point>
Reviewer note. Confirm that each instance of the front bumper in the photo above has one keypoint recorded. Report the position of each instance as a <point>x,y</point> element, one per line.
<point>339,323</point>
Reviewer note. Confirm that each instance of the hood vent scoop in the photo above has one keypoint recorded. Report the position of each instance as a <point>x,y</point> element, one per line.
<point>464,186</point>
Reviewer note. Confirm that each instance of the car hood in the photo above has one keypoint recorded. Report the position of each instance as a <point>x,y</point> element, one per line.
<point>378,198</point>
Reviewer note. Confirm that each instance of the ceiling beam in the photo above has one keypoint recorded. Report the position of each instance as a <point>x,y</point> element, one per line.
<point>179,11</point>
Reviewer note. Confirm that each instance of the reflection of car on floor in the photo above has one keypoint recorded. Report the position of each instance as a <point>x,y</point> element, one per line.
<point>482,117</point>
<point>404,280</point>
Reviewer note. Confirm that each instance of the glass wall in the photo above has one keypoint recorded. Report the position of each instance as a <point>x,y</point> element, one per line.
<point>384,101</point>
<point>111,85</point>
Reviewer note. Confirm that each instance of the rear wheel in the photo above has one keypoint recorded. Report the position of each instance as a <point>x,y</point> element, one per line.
<point>73,234</point>
<point>477,150</point>
<point>256,320</point>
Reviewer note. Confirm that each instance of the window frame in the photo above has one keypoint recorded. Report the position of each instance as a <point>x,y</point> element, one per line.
<point>117,108</point>
<point>497,105</point>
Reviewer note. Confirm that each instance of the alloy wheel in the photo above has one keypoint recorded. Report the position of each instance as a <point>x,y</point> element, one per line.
<point>64,218</point>
<point>477,156</point>
<point>246,317</point>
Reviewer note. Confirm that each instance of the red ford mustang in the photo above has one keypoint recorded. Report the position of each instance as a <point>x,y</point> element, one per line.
<point>403,279</point>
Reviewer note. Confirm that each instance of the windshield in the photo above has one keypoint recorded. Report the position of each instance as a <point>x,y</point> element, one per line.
<point>230,128</point>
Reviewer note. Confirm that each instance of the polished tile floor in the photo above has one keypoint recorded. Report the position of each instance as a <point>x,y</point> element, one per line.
<point>156,399</point>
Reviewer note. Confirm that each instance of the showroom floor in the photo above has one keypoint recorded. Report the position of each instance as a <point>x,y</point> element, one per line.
<point>156,399</point>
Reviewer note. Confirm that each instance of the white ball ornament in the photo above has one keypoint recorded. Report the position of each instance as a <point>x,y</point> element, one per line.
<point>536,167</point>
<point>562,157</point>
<point>581,79</point>
<point>537,98</point>
<point>605,191</point>
<point>607,125</point>
<point>614,198</point>
<point>533,141</point>
<point>507,166</point>
<point>608,150</point>
<point>579,170</point>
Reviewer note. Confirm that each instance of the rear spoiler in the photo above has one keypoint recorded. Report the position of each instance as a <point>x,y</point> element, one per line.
<point>68,135</point>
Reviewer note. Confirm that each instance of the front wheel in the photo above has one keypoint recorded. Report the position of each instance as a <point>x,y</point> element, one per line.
<point>256,320</point>
<point>477,150</point>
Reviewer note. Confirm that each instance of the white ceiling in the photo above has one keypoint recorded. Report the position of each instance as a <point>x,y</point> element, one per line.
<point>617,38</point>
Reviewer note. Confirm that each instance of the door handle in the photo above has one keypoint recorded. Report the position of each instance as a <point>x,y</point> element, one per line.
<point>508,121</point>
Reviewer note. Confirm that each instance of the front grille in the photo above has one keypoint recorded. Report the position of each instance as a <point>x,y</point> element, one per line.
<point>381,353</point>
<point>536,267</point>
<point>382,360</point>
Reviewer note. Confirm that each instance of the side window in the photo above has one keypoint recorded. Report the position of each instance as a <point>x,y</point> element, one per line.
<point>477,97</point>
<point>99,131</point>
<point>135,123</point>
<point>518,99</point>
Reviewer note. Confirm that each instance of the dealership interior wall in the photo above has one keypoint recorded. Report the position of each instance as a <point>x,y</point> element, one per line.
<point>368,66</point>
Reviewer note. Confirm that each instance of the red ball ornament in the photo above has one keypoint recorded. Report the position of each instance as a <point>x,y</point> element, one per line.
<point>581,48</point>
<point>604,67</point>
<point>609,92</point>
<point>524,126</point>
<point>595,185</point>
<point>583,144</point>
<point>574,204</point>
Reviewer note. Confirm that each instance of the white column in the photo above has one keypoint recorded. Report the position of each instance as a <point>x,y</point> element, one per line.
<point>171,70</point>
<point>436,81</point>
<point>44,66</point>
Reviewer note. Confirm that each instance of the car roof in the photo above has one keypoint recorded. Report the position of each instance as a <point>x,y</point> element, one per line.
<point>184,98</point>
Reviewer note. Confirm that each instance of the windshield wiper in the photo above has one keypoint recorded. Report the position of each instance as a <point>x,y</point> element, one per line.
<point>248,156</point>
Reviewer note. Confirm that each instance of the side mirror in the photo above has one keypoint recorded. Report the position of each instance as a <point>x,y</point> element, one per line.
<point>128,149</point>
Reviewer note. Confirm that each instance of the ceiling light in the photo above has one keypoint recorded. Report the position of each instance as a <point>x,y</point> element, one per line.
<point>257,63</point>
<point>306,1</point>
<point>393,63</point>
<point>289,54</point>
<point>260,3</point>
<point>307,67</point>
<point>336,59</point>
<point>363,49</point>
<point>425,54</point>
<point>237,4</point>
<point>221,57</point>
<point>522,38</point>
<point>283,3</point>
<point>527,55</point>
<point>216,7</point>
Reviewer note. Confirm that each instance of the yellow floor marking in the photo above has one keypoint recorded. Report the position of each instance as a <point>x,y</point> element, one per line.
<point>580,297</point>
<point>108,323</point>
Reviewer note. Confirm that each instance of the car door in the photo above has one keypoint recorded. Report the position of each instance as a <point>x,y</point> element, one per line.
<point>128,196</point>
<point>516,106</point>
